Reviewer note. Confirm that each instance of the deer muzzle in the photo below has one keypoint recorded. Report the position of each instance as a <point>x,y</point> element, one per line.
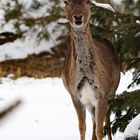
<point>78,20</point>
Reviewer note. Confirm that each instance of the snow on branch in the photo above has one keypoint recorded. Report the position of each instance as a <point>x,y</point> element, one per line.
<point>133,128</point>
<point>103,5</point>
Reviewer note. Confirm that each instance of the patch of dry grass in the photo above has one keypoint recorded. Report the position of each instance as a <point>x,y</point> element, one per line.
<point>37,66</point>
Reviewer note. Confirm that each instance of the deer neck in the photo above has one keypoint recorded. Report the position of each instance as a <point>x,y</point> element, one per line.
<point>81,37</point>
<point>82,42</point>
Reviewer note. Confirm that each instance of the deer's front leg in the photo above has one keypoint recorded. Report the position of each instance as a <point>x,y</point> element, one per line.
<point>100,113</point>
<point>94,128</point>
<point>92,112</point>
<point>81,113</point>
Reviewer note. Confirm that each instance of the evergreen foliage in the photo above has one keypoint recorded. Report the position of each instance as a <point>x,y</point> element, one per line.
<point>125,107</point>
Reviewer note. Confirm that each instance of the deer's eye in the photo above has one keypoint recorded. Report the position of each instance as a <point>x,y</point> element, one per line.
<point>66,2</point>
<point>87,1</point>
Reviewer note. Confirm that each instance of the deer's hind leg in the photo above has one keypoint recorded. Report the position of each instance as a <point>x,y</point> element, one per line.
<point>81,113</point>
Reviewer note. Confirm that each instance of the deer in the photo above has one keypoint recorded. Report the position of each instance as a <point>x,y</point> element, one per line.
<point>91,71</point>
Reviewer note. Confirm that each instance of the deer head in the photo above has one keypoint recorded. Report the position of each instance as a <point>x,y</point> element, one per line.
<point>77,12</point>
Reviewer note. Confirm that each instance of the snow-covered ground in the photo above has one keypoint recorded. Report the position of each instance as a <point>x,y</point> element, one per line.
<point>46,112</point>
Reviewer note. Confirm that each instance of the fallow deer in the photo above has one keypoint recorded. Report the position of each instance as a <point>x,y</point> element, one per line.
<point>91,71</point>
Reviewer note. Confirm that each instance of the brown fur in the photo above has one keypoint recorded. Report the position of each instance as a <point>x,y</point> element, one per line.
<point>90,60</point>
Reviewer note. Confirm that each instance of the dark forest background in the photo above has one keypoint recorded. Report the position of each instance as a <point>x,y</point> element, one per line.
<point>122,28</point>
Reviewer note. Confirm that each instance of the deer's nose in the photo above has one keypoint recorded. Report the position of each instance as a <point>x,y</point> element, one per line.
<point>78,17</point>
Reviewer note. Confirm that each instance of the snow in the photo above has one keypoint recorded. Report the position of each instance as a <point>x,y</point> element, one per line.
<point>138,21</point>
<point>117,1</point>
<point>46,111</point>
<point>22,48</point>
<point>125,81</point>
<point>133,128</point>
<point>103,5</point>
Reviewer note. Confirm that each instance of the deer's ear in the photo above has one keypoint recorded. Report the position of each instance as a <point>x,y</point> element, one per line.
<point>66,2</point>
<point>87,1</point>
